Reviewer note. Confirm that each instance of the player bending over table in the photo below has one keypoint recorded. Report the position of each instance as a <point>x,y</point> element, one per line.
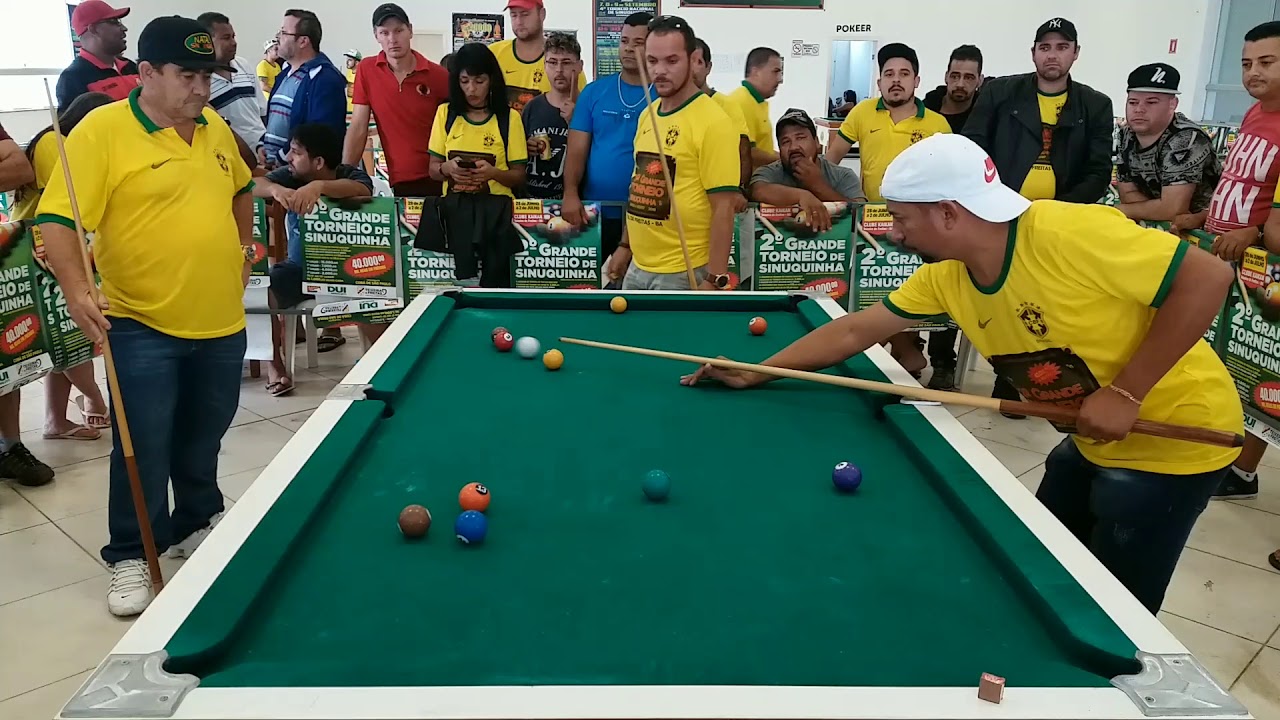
<point>1075,305</point>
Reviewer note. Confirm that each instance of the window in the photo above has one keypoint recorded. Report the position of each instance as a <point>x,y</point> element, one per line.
<point>1226,99</point>
<point>35,45</point>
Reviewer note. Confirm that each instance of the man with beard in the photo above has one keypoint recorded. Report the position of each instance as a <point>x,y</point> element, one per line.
<point>98,66</point>
<point>309,88</point>
<point>602,133</point>
<point>546,118</point>
<point>802,176</point>
<point>703,162</point>
<point>701,69</point>
<point>883,127</point>
<point>954,100</point>
<point>1049,136</point>
<point>401,90</point>
<point>526,79</point>
<point>1119,309</point>
<point>763,76</point>
<point>1167,163</point>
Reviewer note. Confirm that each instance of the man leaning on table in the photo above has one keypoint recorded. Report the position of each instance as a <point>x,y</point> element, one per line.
<point>1078,307</point>
<point>157,161</point>
<point>801,176</point>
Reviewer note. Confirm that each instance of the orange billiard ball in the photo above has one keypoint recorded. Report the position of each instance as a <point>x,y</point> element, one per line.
<point>474,496</point>
<point>553,359</point>
<point>757,326</point>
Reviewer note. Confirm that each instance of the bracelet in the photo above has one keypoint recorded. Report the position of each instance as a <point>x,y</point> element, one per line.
<point>1125,394</point>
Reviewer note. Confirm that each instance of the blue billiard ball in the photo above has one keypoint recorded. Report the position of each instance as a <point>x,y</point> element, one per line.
<point>846,476</point>
<point>657,485</point>
<point>471,527</point>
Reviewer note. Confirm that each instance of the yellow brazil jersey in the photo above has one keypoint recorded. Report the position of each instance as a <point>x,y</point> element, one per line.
<point>468,140</point>
<point>44,159</point>
<point>351,86</point>
<point>268,72</point>
<point>166,241</point>
<point>702,159</point>
<point>1040,183</point>
<point>755,111</point>
<point>526,79</point>
<point>734,111</point>
<point>880,139</point>
<point>1077,294</point>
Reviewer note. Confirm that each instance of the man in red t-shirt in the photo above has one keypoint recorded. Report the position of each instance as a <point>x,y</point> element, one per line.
<point>1245,210</point>
<point>402,89</point>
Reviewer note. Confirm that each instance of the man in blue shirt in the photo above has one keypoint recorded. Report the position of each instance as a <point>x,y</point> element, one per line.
<point>309,88</point>
<point>598,162</point>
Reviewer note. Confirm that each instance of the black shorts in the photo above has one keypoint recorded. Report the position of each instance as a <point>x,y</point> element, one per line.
<point>286,284</point>
<point>610,235</point>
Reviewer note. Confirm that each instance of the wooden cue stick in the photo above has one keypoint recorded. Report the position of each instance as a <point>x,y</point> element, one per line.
<point>113,382</point>
<point>1048,412</point>
<point>524,234</point>
<point>768,225</point>
<point>1244,292</point>
<point>870,239</point>
<point>666,175</point>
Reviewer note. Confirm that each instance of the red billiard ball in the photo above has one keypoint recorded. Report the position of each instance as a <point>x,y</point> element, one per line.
<point>497,331</point>
<point>757,326</point>
<point>503,341</point>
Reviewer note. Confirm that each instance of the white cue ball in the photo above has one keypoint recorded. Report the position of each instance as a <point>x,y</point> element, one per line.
<point>528,347</point>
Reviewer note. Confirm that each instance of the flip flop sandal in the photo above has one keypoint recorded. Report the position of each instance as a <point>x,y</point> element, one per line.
<point>97,421</point>
<point>79,432</point>
<point>325,343</point>
<point>279,388</point>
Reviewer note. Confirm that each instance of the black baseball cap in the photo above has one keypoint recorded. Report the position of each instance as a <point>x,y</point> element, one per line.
<point>796,116</point>
<point>1155,78</point>
<point>1062,26</point>
<point>387,11</point>
<point>178,41</point>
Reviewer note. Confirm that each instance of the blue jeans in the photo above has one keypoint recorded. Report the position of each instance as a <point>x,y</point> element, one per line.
<point>1136,523</point>
<point>179,398</point>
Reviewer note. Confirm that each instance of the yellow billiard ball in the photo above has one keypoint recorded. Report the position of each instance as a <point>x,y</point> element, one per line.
<point>553,359</point>
<point>618,304</point>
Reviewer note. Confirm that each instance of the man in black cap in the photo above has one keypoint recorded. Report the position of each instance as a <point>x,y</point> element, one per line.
<point>159,179</point>
<point>801,176</point>
<point>1049,136</point>
<point>1167,164</point>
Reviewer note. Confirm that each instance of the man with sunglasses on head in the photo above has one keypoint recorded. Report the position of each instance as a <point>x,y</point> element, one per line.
<point>98,67</point>
<point>702,162</point>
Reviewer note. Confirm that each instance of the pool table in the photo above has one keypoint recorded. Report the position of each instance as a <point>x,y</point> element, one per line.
<point>756,590</point>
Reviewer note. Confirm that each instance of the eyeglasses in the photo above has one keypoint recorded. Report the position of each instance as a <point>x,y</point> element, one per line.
<point>286,32</point>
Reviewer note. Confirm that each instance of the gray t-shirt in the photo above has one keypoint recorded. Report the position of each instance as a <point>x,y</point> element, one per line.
<point>841,179</point>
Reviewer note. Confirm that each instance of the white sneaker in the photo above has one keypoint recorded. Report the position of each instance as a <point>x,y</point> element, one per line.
<point>130,591</point>
<point>189,544</point>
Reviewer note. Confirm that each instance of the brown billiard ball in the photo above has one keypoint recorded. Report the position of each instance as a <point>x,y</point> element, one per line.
<point>414,521</point>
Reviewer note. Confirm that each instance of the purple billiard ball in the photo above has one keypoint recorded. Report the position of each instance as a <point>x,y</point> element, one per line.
<point>846,476</point>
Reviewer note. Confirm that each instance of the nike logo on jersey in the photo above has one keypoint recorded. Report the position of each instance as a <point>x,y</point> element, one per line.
<point>982,324</point>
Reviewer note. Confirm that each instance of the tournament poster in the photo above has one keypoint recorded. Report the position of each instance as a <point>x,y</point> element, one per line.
<point>258,277</point>
<point>24,351</point>
<point>557,254</point>
<point>349,248</point>
<point>790,255</point>
<point>356,311</point>
<point>423,270</point>
<point>68,345</point>
<point>882,266</point>
<point>1251,348</point>
<point>1213,335</point>
<point>474,27</point>
<point>610,15</point>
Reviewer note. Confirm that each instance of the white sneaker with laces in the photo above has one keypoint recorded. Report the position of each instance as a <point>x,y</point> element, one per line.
<point>189,544</point>
<point>130,591</point>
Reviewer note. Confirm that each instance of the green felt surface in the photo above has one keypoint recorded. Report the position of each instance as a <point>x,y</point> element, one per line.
<point>755,571</point>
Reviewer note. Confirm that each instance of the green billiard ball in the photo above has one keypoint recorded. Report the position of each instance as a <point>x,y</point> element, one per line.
<point>657,485</point>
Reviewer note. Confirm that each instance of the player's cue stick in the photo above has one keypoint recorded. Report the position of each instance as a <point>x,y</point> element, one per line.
<point>870,239</point>
<point>524,234</point>
<point>1244,293</point>
<point>666,174</point>
<point>113,383</point>
<point>1048,412</point>
<point>765,222</point>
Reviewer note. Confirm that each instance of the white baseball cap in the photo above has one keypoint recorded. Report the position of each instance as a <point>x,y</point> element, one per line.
<point>952,167</point>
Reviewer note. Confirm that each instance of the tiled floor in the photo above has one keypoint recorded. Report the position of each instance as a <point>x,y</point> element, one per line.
<point>54,627</point>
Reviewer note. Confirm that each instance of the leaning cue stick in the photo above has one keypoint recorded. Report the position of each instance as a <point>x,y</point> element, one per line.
<point>113,383</point>
<point>1048,412</point>
<point>666,175</point>
<point>870,239</point>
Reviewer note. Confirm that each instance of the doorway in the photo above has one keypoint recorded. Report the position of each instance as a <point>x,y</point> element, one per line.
<point>853,73</point>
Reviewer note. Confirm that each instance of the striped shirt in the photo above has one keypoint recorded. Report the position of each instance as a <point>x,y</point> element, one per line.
<point>279,109</point>
<point>239,102</point>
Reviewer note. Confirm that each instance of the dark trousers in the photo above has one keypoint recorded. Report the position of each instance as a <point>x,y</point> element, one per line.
<point>1136,523</point>
<point>179,398</point>
<point>942,349</point>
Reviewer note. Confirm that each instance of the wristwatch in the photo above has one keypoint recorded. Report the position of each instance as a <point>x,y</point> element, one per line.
<point>250,254</point>
<point>720,282</point>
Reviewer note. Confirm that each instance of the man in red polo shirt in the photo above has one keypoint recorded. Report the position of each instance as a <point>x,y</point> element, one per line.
<point>99,66</point>
<point>402,89</point>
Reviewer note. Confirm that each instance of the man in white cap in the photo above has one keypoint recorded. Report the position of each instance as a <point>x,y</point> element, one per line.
<point>1076,306</point>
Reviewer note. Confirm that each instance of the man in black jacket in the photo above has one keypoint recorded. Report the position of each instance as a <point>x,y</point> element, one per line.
<point>1049,136</point>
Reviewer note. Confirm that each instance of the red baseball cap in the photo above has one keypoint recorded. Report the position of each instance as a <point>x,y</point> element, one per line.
<point>524,4</point>
<point>92,12</point>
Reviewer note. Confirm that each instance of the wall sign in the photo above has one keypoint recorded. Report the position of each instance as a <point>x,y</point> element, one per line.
<point>608,20</point>
<point>800,48</point>
<point>861,28</point>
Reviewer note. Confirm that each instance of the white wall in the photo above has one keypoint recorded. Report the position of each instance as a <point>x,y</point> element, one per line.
<point>1115,35</point>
